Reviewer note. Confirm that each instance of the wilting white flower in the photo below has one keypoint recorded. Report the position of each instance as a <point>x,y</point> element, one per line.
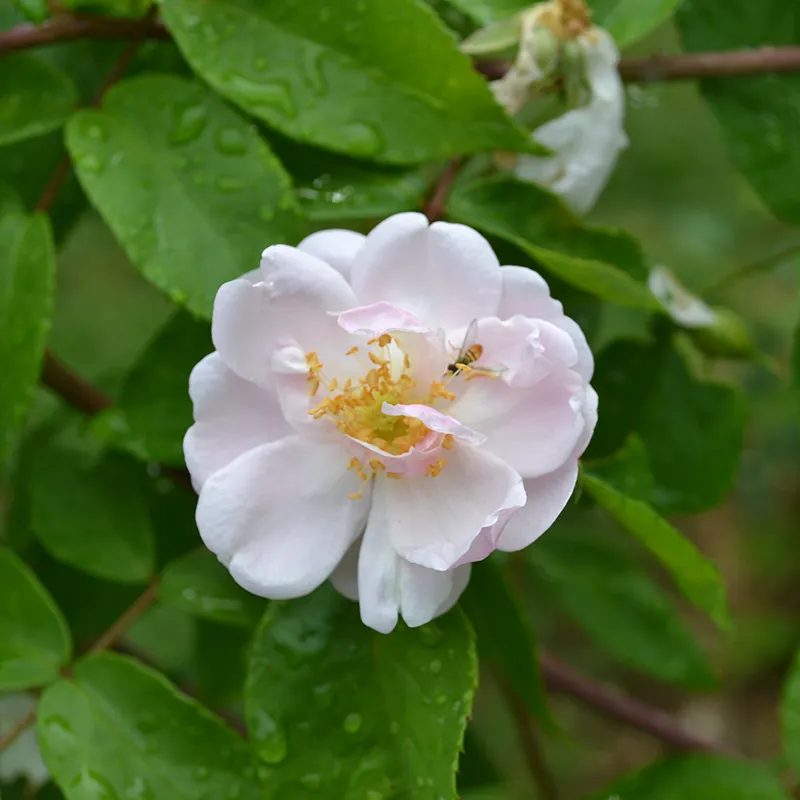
<point>586,140</point>
<point>22,758</point>
<point>684,307</point>
<point>382,411</point>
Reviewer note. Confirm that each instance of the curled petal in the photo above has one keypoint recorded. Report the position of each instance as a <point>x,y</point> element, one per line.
<point>337,247</point>
<point>435,420</point>
<point>280,518</point>
<point>434,521</point>
<point>444,274</point>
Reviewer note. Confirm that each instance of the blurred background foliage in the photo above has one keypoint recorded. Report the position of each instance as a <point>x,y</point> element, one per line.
<point>676,191</point>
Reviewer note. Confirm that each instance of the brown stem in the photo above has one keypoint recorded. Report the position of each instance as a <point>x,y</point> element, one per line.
<point>68,28</point>
<point>528,739</point>
<point>434,208</point>
<point>129,616</point>
<point>564,680</point>
<point>75,390</point>
<point>12,735</point>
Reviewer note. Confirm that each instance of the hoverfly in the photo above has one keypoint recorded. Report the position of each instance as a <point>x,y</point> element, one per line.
<point>469,353</point>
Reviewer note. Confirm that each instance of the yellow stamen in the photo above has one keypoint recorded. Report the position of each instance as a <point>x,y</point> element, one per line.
<point>394,475</point>
<point>352,351</point>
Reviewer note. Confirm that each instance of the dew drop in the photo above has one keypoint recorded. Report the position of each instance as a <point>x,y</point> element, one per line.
<point>435,666</point>
<point>189,594</point>
<point>96,132</point>
<point>362,139</point>
<point>311,780</point>
<point>441,699</point>
<point>313,71</point>
<point>201,772</point>
<point>352,722</point>
<point>269,738</point>
<point>227,185</point>
<point>92,786</point>
<point>58,728</point>
<point>188,123</point>
<point>210,35</point>
<point>230,141</point>
<point>190,21</point>
<point>431,634</point>
<point>263,96</point>
<point>91,163</point>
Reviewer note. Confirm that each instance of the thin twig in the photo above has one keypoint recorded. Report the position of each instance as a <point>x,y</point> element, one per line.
<point>564,680</point>
<point>528,738</point>
<point>22,725</point>
<point>434,208</point>
<point>75,390</point>
<point>748,270</point>
<point>129,616</point>
<point>68,28</point>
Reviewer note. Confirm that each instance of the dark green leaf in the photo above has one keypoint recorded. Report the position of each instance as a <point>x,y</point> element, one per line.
<point>221,654</point>
<point>36,97</point>
<point>794,368</point>
<point>504,636</point>
<point>693,431</point>
<point>34,10</point>
<point>487,12</point>
<point>92,516</point>
<point>381,79</point>
<point>199,584</point>
<point>337,710</point>
<point>697,777</point>
<point>627,471</point>
<point>758,115</point>
<point>189,188</point>
<point>617,604</point>
<point>34,639</point>
<point>696,576</point>
<point>790,716</point>
<point>119,729</point>
<point>154,410</point>
<point>27,267</point>
<point>607,264</point>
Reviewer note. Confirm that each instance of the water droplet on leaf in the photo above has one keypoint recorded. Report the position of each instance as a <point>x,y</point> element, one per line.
<point>269,738</point>
<point>188,123</point>
<point>352,723</point>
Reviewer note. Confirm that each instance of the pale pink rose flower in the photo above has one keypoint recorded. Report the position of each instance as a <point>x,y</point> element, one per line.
<point>382,411</point>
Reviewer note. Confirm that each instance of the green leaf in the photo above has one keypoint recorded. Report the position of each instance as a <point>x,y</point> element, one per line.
<point>794,364</point>
<point>93,517</point>
<point>627,471</point>
<point>154,410</point>
<point>337,710</point>
<point>381,79</point>
<point>693,431</point>
<point>488,12</point>
<point>698,777</point>
<point>119,729</point>
<point>187,186</point>
<point>607,264</point>
<point>505,636</point>
<point>27,278</point>
<point>625,375</point>
<point>630,20</point>
<point>494,38</point>
<point>790,716</point>
<point>37,97</point>
<point>199,584</point>
<point>220,664</point>
<point>758,115</point>
<point>34,639</point>
<point>617,604</point>
<point>696,576</point>
<point>34,10</point>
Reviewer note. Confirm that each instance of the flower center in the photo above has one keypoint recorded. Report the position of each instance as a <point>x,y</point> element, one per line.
<point>357,406</point>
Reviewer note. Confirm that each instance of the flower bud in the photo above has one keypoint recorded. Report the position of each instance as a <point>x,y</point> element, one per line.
<point>727,337</point>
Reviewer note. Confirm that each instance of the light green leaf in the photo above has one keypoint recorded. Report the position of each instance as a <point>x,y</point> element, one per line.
<point>34,639</point>
<point>493,39</point>
<point>698,777</point>
<point>693,431</point>
<point>27,277</point>
<point>696,576</point>
<point>488,12</point>
<point>630,20</point>
<point>504,636</point>
<point>154,410</point>
<point>617,604</point>
<point>337,710</point>
<point>119,729</point>
<point>794,365</point>
<point>758,115</point>
<point>790,716</point>
<point>187,186</point>
<point>35,97</point>
<point>381,79</point>
<point>607,264</point>
<point>93,517</point>
<point>199,584</point>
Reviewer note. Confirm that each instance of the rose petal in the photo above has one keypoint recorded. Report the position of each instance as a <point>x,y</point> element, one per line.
<point>433,521</point>
<point>337,247</point>
<point>231,416</point>
<point>444,274</point>
<point>435,420</point>
<point>290,306</point>
<point>280,518</point>
<point>534,429</point>
<point>428,593</point>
